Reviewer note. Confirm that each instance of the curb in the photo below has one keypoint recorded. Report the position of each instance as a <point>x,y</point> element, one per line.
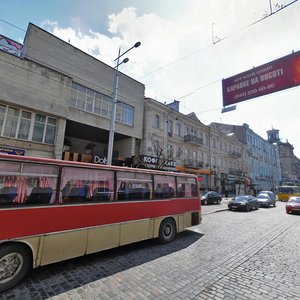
<point>214,211</point>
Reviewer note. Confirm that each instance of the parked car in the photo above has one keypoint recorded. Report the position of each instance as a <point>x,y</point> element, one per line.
<point>293,205</point>
<point>270,193</point>
<point>211,197</point>
<point>265,200</point>
<point>246,203</point>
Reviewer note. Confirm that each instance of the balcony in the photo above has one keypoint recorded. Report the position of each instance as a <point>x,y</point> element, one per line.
<point>193,163</point>
<point>235,154</point>
<point>193,139</point>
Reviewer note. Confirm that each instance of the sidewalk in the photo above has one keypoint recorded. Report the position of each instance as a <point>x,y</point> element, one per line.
<point>212,208</point>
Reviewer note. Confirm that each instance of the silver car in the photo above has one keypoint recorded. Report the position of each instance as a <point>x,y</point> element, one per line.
<point>270,193</point>
<point>265,200</point>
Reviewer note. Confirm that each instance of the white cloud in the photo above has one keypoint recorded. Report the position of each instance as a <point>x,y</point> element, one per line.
<point>181,50</point>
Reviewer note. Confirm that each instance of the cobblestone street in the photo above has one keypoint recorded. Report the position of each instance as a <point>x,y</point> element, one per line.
<point>231,255</point>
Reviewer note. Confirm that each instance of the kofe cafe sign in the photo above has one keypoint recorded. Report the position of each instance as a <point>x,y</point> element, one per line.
<point>271,77</point>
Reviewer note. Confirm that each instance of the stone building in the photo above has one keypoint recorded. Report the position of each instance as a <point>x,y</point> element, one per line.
<point>290,164</point>
<point>262,156</point>
<point>175,141</point>
<point>55,99</point>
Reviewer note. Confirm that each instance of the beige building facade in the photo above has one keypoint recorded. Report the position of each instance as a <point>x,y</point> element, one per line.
<point>175,141</point>
<point>56,101</point>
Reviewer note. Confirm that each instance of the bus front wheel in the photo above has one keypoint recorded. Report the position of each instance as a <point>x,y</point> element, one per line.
<point>15,262</point>
<point>167,231</point>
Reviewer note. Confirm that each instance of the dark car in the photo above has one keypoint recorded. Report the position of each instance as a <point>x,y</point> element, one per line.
<point>265,200</point>
<point>243,203</point>
<point>211,197</point>
<point>293,205</point>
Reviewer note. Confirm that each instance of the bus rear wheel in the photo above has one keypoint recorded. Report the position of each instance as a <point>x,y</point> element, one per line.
<point>167,231</point>
<point>15,263</point>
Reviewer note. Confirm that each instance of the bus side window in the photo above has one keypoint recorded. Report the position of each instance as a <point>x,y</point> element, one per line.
<point>122,191</point>
<point>101,193</point>
<point>77,194</point>
<point>158,191</point>
<point>7,195</point>
<point>194,189</point>
<point>168,191</point>
<point>181,190</point>
<point>85,185</point>
<point>40,195</point>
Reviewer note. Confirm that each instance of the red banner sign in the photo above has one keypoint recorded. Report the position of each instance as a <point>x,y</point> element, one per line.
<point>280,74</point>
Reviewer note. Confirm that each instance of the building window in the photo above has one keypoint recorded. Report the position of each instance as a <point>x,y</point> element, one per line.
<point>2,116</point>
<point>11,123</point>
<point>44,129</point>
<point>170,150</point>
<point>25,125</point>
<point>88,100</point>
<point>186,131</point>
<point>194,155</point>
<point>214,143</point>
<point>124,114</point>
<point>178,129</point>
<point>170,127</point>
<point>186,153</point>
<point>156,122</point>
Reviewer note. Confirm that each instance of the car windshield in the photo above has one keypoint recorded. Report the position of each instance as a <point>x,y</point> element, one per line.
<point>295,200</point>
<point>241,198</point>
<point>263,196</point>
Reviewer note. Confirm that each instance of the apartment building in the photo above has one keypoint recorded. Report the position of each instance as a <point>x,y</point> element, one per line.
<point>179,142</point>
<point>262,156</point>
<point>289,163</point>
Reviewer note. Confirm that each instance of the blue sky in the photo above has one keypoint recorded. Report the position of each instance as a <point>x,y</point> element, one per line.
<point>178,58</point>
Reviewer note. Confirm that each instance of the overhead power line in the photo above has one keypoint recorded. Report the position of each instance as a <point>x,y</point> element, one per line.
<point>13,25</point>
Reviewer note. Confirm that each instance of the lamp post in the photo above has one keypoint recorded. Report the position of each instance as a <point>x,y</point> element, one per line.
<point>114,103</point>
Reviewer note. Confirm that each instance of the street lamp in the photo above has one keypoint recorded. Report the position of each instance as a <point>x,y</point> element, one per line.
<point>114,103</point>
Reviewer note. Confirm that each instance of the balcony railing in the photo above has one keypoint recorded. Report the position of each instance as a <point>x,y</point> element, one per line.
<point>193,163</point>
<point>235,154</point>
<point>193,139</point>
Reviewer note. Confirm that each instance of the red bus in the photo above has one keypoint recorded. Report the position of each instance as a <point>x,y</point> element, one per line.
<point>53,210</point>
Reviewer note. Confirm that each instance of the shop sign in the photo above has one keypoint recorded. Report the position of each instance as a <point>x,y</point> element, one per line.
<point>154,161</point>
<point>100,160</point>
<point>12,151</point>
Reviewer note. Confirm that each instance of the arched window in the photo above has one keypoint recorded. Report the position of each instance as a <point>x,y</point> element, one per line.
<point>156,121</point>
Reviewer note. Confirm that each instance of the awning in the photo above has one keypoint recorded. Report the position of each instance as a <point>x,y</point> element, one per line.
<point>193,170</point>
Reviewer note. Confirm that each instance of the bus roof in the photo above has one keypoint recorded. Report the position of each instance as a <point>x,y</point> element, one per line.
<point>59,162</point>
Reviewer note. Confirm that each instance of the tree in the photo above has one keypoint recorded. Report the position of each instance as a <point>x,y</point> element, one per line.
<point>161,156</point>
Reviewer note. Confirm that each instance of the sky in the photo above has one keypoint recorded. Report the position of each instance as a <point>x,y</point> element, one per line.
<point>187,48</point>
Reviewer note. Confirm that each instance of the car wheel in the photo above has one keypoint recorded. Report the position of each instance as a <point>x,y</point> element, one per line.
<point>256,206</point>
<point>15,263</point>
<point>229,208</point>
<point>218,201</point>
<point>274,204</point>
<point>247,208</point>
<point>205,202</point>
<point>167,231</point>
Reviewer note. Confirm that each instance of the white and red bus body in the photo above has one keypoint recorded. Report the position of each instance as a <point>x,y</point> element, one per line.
<point>120,206</point>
